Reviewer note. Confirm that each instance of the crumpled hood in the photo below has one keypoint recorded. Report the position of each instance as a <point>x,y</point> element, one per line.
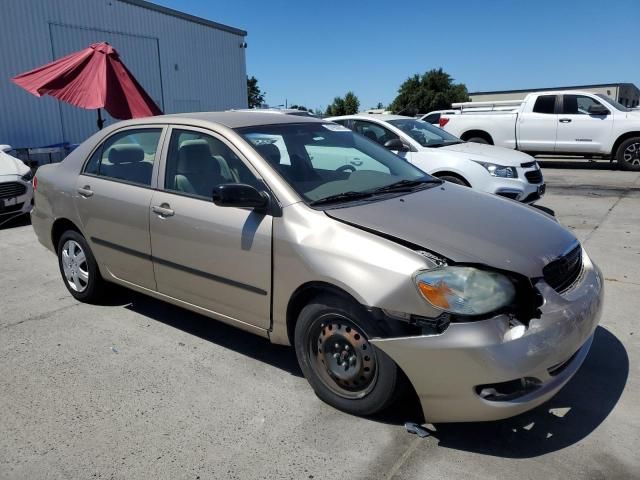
<point>11,166</point>
<point>489,153</point>
<point>467,227</point>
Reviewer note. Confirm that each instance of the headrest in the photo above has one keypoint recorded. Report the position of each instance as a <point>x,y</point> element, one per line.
<point>270,152</point>
<point>125,154</point>
<point>371,135</point>
<point>193,155</point>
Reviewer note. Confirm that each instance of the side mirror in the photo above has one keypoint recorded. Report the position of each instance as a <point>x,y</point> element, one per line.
<point>396,145</point>
<point>598,110</point>
<point>239,195</point>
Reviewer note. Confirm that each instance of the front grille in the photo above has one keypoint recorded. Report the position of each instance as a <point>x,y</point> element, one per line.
<point>12,189</point>
<point>564,271</point>
<point>528,164</point>
<point>534,176</point>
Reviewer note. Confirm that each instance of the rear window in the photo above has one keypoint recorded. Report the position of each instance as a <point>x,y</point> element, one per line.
<point>545,104</point>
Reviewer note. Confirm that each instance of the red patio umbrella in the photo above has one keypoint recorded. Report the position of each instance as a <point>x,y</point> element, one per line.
<point>92,78</point>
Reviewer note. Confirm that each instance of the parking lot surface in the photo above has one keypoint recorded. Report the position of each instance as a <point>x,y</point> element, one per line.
<point>141,389</point>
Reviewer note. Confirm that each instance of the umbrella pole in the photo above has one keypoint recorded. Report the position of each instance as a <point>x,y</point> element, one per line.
<point>100,120</point>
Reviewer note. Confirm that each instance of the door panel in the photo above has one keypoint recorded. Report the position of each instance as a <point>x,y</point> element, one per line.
<point>218,258</point>
<point>112,198</point>
<point>578,131</point>
<point>537,129</point>
<point>115,217</point>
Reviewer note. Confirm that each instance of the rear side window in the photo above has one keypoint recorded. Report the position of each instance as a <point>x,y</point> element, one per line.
<point>126,156</point>
<point>433,118</point>
<point>545,104</point>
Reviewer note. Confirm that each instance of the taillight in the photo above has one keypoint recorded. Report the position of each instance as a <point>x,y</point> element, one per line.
<point>443,121</point>
<point>35,183</point>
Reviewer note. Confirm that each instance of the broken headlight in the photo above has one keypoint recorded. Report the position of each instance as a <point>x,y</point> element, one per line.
<point>465,290</point>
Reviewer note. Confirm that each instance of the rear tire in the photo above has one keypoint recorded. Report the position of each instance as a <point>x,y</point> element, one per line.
<point>345,370</point>
<point>79,269</point>
<point>628,154</point>
<point>453,179</point>
<point>478,140</point>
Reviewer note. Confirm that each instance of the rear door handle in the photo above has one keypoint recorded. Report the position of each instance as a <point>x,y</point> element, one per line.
<point>565,120</point>
<point>85,191</point>
<point>163,210</point>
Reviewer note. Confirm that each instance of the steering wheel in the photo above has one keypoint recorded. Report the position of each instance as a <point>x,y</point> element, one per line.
<point>346,168</point>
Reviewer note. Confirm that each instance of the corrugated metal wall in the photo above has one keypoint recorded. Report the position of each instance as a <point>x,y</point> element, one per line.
<point>185,66</point>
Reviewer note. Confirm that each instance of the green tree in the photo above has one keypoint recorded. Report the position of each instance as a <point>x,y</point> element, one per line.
<point>300,107</point>
<point>255,96</point>
<point>379,106</point>
<point>434,90</point>
<point>344,106</point>
<point>336,108</point>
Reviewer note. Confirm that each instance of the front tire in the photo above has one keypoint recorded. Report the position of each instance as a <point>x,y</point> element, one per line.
<point>628,154</point>
<point>78,268</point>
<point>478,140</point>
<point>344,369</point>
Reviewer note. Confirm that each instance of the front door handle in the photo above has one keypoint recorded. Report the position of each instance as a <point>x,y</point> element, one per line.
<point>565,120</point>
<point>85,191</point>
<point>163,210</point>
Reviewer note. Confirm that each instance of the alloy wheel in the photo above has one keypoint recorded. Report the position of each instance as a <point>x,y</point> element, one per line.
<point>74,266</point>
<point>631,154</point>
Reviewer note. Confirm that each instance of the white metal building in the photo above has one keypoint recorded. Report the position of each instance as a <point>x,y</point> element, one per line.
<point>185,63</point>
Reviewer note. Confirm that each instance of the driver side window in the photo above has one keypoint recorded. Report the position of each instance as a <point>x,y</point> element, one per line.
<point>197,163</point>
<point>578,104</point>
<point>373,131</point>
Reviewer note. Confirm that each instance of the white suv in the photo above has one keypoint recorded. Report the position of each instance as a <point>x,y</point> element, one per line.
<point>504,172</point>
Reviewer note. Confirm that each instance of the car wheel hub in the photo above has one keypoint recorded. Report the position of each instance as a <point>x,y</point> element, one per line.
<point>632,154</point>
<point>343,358</point>
<point>74,266</point>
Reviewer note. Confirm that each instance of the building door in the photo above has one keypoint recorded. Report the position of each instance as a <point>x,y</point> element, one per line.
<point>139,54</point>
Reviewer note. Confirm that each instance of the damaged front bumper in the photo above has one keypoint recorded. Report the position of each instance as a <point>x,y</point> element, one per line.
<point>485,370</point>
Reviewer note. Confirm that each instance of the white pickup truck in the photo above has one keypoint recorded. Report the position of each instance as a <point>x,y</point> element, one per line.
<point>559,122</point>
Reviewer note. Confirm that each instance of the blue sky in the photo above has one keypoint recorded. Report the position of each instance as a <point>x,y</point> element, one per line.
<point>309,52</point>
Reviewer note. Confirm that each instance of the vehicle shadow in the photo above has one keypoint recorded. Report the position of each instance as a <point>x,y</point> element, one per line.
<point>15,221</point>
<point>577,164</point>
<point>212,331</point>
<point>576,411</point>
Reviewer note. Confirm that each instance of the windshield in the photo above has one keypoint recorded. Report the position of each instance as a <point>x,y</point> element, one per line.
<point>613,103</point>
<point>424,133</point>
<point>322,160</point>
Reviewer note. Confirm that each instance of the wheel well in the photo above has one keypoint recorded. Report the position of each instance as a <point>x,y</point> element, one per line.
<point>451,174</point>
<point>60,226</point>
<point>477,133</point>
<point>304,294</point>
<point>620,139</point>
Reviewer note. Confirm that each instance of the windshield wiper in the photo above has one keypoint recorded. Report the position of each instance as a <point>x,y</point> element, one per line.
<point>338,197</point>
<point>406,185</point>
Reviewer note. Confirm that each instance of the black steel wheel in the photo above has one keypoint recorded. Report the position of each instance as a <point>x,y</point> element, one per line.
<point>332,342</point>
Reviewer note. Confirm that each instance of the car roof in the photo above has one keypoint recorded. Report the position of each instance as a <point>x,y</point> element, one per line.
<point>281,111</point>
<point>370,116</point>
<point>228,119</point>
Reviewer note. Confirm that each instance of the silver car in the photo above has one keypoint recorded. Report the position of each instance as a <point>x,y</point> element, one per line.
<point>374,271</point>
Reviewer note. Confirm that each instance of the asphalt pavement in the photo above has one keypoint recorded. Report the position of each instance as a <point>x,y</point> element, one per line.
<point>141,389</point>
